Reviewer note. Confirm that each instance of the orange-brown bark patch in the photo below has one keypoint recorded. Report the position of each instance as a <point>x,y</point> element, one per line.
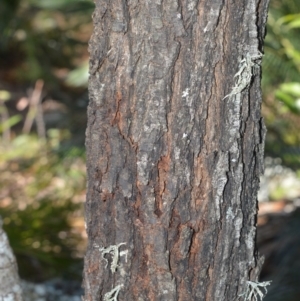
<point>163,168</point>
<point>117,116</point>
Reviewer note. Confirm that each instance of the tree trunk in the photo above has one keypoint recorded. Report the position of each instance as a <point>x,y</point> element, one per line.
<point>174,149</point>
<point>10,289</point>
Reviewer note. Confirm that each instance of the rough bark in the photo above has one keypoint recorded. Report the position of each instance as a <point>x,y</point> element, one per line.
<point>10,289</point>
<point>173,166</point>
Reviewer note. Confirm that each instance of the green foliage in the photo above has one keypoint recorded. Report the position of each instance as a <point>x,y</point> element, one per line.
<point>281,73</point>
<point>41,205</point>
<point>6,121</point>
<point>289,94</point>
<point>79,76</point>
<point>282,44</point>
<point>62,4</point>
<point>42,183</point>
<point>43,36</point>
<point>8,9</point>
<point>11,121</point>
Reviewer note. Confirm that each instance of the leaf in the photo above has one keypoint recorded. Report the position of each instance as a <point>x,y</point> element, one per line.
<point>288,101</point>
<point>291,88</point>
<point>295,24</point>
<point>79,76</point>
<point>9,123</point>
<point>4,95</point>
<point>288,18</point>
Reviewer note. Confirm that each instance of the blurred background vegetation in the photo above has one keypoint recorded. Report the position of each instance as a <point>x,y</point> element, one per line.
<point>43,100</point>
<point>281,82</point>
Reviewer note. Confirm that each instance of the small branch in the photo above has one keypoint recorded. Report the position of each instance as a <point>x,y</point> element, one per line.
<point>35,111</point>
<point>4,119</point>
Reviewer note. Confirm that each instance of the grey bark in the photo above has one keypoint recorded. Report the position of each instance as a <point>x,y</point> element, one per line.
<point>173,167</point>
<point>10,289</point>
